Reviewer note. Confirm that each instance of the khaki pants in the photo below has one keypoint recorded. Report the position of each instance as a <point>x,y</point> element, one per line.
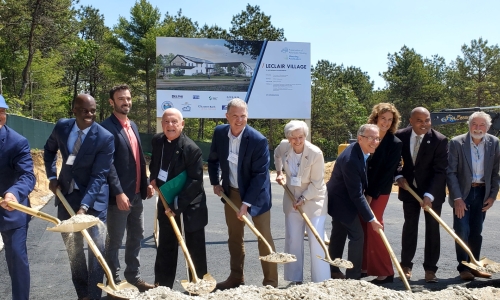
<point>235,229</point>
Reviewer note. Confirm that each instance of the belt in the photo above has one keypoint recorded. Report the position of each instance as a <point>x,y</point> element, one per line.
<point>478,184</point>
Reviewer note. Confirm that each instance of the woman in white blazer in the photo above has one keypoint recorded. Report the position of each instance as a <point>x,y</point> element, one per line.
<point>302,164</point>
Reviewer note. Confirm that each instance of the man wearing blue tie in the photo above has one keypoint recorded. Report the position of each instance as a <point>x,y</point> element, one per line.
<point>17,180</point>
<point>87,154</point>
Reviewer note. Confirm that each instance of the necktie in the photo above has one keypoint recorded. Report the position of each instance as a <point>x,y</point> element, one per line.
<point>76,148</point>
<point>415,153</point>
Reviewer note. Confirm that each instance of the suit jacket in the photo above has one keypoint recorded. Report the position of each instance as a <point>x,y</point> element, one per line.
<point>311,171</point>
<point>91,166</point>
<point>382,165</point>
<point>429,170</point>
<point>191,201</point>
<point>16,176</point>
<point>122,176</point>
<point>253,167</point>
<point>347,185</point>
<point>459,172</point>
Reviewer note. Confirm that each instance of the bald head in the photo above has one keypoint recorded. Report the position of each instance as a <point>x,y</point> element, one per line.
<point>84,108</point>
<point>172,123</point>
<point>421,110</point>
<point>420,120</point>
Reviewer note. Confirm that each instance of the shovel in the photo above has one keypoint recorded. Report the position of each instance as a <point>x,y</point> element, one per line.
<point>328,259</point>
<point>119,290</point>
<point>198,286</point>
<point>481,265</point>
<point>73,227</point>
<point>283,258</point>
<point>393,257</point>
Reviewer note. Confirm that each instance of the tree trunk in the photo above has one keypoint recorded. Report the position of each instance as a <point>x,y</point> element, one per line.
<point>31,49</point>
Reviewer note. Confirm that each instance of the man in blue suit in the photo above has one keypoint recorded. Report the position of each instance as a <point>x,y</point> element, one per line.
<point>87,154</point>
<point>242,154</point>
<point>347,201</point>
<point>17,180</point>
<point>128,185</point>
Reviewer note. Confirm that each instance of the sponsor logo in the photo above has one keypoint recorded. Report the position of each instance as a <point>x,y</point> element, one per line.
<point>232,97</point>
<point>284,50</point>
<point>177,96</point>
<point>186,108</point>
<point>224,107</point>
<point>167,105</point>
<point>212,98</point>
<point>206,107</point>
<point>196,96</point>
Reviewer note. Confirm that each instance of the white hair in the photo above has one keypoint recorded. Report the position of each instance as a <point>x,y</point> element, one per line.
<point>364,127</point>
<point>294,125</point>
<point>482,115</point>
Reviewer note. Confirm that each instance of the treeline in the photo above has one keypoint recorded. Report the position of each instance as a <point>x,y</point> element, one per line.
<point>51,50</point>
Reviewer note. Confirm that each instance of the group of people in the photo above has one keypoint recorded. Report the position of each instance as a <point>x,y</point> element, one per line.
<point>104,174</point>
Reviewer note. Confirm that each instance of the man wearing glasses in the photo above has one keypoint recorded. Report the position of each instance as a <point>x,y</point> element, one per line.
<point>346,201</point>
<point>425,158</point>
<point>87,154</point>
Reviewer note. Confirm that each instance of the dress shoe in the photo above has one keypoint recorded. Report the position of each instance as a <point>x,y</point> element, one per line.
<point>337,275</point>
<point>480,274</point>
<point>143,286</point>
<point>466,275</point>
<point>407,272</point>
<point>230,283</point>
<point>387,279</point>
<point>430,277</point>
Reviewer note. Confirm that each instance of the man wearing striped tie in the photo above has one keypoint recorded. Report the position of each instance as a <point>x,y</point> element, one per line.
<point>87,154</point>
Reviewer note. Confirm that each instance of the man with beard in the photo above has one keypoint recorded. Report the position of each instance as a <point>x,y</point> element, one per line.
<point>473,181</point>
<point>425,157</point>
<point>128,186</point>
<point>87,154</point>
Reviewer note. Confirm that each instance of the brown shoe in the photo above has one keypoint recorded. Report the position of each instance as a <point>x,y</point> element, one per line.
<point>466,275</point>
<point>229,283</point>
<point>430,277</point>
<point>407,272</point>
<point>480,274</point>
<point>337,275</point>
<point>143,286</point>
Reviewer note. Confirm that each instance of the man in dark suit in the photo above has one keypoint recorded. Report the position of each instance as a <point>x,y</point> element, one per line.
<point>87,154</point>
<point>347,201</point>
<point>17,180</point>
<point>425,157</point>
<point>242,154</point>
<point>128,185</point>
<point>174,153</point>
<point>473,181</point>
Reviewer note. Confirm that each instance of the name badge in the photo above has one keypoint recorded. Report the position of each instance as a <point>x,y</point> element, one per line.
<point>71,160</point>
<point>163,175</point>
<point>296,181</point>
<point>233,158</point>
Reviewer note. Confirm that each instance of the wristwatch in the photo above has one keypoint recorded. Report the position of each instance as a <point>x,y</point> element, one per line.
<point>302,198</point>
<point>84,208</point>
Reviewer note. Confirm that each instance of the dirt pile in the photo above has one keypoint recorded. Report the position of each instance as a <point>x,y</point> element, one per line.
<point>330,289</point>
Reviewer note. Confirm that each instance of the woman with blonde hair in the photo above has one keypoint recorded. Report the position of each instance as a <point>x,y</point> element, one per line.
<point>302,164</point>
<point>381,167</point>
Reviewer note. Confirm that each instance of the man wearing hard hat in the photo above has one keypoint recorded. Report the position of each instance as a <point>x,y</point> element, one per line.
<point>17,180</point>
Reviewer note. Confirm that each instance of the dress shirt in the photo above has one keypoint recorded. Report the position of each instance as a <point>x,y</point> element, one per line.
<point>477,154</point>
<point>135,151</point>
<point>234,147</point>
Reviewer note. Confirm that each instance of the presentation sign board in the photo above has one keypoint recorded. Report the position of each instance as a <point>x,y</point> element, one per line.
<point>200,76</point>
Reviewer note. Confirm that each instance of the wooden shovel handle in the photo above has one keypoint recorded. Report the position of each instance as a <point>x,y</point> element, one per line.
<point>179,236</point>
<point>90,242</point>
<point>309,224</point>
<point>446,227</point>
<point>245,219</point>
<point>33,212</point>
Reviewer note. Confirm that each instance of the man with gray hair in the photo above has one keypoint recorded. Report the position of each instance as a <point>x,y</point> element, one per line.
<point>241,153</point>
<point>346,201</point>
<point>473,182</point>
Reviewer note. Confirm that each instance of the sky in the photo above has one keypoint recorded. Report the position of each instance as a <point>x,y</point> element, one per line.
<point>349,32</point>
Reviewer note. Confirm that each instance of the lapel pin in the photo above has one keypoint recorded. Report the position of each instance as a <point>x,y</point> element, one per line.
<point>428,142</point>
<point>176,152</point>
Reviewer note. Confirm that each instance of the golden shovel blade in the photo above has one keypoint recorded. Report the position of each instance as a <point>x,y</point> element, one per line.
<point>204,286</point>
<point>484,265</point>
<point>124,290</point>
<point>339,263</point>
<point>74,227</point>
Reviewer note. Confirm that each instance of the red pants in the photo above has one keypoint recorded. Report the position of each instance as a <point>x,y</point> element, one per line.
<point>376,259</point>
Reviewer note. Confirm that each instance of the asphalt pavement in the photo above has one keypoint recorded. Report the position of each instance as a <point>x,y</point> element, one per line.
<point>51,277</point>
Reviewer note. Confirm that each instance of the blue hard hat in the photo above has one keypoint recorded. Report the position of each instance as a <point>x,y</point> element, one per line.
<point>3,104</point>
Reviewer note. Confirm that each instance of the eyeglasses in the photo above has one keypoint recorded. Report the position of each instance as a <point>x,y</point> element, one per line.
<point>371,138</point>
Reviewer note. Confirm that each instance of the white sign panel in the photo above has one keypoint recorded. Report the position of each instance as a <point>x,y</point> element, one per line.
<point>200,76</point>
